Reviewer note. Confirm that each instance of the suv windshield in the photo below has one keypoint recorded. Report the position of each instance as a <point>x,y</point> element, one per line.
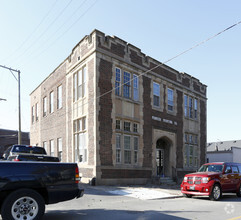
<point>211,168</point>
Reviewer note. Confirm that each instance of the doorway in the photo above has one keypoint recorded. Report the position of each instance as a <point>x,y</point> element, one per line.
<point>160,162</point>
<point>162,157</point>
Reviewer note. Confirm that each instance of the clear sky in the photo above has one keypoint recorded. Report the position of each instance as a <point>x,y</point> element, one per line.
<point>36,36</point>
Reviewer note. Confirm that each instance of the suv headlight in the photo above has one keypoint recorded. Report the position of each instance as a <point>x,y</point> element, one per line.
<point>206,179</point>
<point>185,179</point>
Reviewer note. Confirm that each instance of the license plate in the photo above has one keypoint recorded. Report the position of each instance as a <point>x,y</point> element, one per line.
<point>192,187</point>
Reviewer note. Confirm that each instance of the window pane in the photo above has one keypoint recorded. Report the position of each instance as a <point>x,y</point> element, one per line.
<point>135,143</point>
<point>45,106</point>
<point>117,124</point>
<point>59,101</point>
<point>75,87</point>
<point>135,127</point>
<point>127,142</point>
<point>156,94</point>
<point>195,108</point>
<point>190,107</point>
<point>117,81</point>
<point>127,156</point>
<point>127,83</point>
<point>135,88</point>
<point>170,99</point>
<point>127,126</point>
<point>84,81</point>
<point>118,141</point>
<point>185,106</point>
<point>51,102</point>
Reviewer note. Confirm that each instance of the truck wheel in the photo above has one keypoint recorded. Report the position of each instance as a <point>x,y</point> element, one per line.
<point>216,193</point>
<point>23,204</point>
<point>239,191</point>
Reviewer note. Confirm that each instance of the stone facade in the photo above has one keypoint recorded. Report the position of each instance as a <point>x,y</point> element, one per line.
<point>126,133</point>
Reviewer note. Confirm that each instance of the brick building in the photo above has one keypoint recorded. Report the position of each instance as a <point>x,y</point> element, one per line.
<point>123,116</point>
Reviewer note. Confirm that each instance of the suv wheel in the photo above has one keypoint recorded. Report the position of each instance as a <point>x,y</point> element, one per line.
<point>239,191</point>
<point>216,193</point>
<point>188,195</point>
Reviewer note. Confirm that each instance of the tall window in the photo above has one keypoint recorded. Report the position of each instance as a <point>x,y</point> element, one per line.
<point>136,149</point>
<point>130,84</point>
<point>135,87</point>
<point>185,105</point>
<point>156,94</point>
<point>80,140</point>
<point>127,149</point>
<point>118,124</point>
<point>45,145</point>
<point>195,108</point>
<point>36,111</point>
<point>60,149</point>
<point>118,148</point>
<point>170,99</point>
<point>51,146</point>
<point>190,107</point>
<point>127,85</point>
<point>80,83</point>
<point>75,87</point>
<point>117,81</point>
<point>51,102</point>
<point>59,97</point>
<point>33,114</point>
<point>191,150</point>
<point>44,106</point>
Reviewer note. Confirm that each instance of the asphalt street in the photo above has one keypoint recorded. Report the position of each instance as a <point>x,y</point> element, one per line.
<point>103,202</point>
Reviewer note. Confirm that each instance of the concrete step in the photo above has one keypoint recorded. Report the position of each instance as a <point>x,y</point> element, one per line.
<point>163,181</point>
<point>167,181</point>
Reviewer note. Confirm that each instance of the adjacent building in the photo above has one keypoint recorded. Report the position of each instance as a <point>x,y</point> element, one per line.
<point>224,151</point>
<point>122,116</point>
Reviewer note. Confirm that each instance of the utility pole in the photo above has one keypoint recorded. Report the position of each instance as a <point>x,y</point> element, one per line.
<point>19,101</point>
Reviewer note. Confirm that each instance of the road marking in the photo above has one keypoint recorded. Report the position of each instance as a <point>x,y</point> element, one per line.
<point>234,218</point>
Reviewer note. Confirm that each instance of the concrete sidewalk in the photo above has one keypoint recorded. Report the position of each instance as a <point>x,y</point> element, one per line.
<point>144,192</point>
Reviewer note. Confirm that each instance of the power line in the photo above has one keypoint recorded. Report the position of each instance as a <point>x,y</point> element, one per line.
<point>61,26</point>
<point>174,57</point>
<point>31,34</point>
<point>60,36</point>
<point>39,37</point>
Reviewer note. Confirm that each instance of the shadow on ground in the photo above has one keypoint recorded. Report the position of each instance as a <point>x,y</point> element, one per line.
<point>103,214</point>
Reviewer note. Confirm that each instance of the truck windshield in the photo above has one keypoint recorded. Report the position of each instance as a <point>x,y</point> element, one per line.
<point>211,168</point>
<point>29,150</point>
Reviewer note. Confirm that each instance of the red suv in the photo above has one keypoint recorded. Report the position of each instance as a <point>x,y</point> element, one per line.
<point>213,179</point>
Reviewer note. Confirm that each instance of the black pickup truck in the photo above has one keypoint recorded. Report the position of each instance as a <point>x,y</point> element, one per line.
<point>27,153</point>
<point>26,187</point>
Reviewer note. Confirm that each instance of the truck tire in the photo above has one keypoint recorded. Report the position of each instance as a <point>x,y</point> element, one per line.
<point>23,204</point>
<point>216,193</point>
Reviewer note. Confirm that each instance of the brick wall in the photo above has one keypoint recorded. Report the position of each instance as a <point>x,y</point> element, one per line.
<point>104,117</point>
<point>147,127</point>
<point>203,131</point>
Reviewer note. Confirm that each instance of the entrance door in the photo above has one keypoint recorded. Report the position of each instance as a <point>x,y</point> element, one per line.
<point>160,162</point>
